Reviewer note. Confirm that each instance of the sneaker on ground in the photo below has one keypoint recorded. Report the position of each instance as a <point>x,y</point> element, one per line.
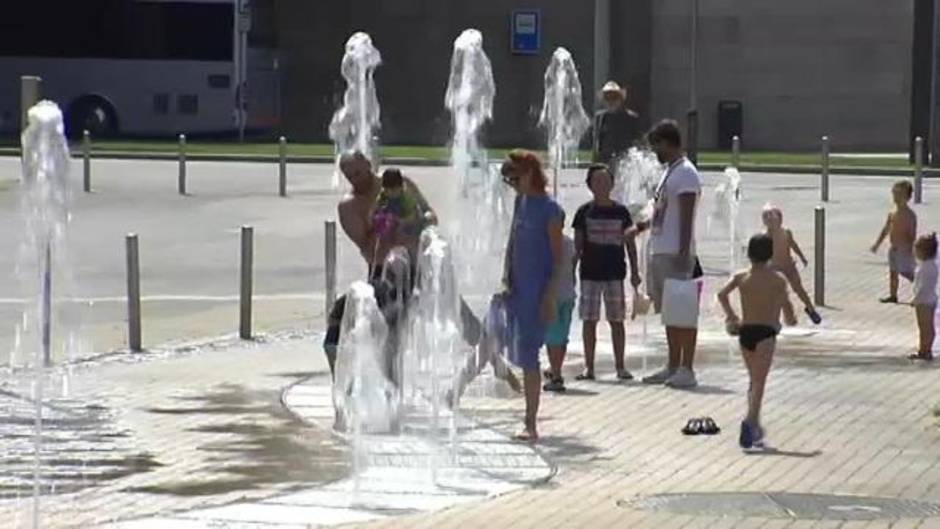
<point>682,378</point>
<point>746,439</point>
<point>556,384</point>
<point>660,376</point>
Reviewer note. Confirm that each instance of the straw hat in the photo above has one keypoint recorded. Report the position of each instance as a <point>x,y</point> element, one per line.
<point>612,87</point>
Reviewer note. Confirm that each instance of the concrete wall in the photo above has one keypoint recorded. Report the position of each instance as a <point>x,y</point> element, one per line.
<point>802,68</point>
<point>416,38</point>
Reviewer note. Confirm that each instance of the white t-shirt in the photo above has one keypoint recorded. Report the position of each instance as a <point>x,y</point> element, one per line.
<point>680,178</point>
<point>925,283</point>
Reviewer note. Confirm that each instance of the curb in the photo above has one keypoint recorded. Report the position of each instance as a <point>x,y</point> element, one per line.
<point>438,162</point>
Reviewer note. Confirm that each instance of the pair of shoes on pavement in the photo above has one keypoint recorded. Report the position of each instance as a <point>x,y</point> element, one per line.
<point>701,426</point>
<point>681,378</point>
<point>622,374</point>
<point>752,436</point>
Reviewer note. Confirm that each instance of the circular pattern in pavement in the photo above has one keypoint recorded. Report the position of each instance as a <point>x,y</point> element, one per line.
<point>800,506</point>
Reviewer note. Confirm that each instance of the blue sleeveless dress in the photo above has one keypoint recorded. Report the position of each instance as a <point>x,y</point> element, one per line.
<point>531,268</point>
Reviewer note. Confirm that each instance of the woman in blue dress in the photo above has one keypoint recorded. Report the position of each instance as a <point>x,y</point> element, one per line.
<point>533,260</point>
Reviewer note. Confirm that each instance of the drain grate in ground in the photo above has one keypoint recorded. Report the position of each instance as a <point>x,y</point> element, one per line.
<point>785,505</point>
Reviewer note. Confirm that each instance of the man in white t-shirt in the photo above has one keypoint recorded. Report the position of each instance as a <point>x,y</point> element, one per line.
<point>673,246</point>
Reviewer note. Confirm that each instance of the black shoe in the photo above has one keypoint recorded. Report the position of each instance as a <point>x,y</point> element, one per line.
<point>693,427</point>
<point>556,385</point>
<point>813,315</point>
<point>889,299</point>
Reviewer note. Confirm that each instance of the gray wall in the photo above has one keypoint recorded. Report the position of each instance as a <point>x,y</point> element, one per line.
<point>802,68</point>
<point>416,38</point>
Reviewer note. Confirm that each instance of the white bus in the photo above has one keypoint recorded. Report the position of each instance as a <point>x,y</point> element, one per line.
<point>141,67</point>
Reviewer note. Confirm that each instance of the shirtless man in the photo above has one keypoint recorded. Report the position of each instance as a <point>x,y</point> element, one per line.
<point>763,297</point>
<point>355,217</point>
<point>902,228</point>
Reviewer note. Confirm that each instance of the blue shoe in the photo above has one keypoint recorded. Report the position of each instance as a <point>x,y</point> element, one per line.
<point>746,440</point>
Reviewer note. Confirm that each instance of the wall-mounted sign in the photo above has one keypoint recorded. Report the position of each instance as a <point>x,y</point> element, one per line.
<point>526,32</point>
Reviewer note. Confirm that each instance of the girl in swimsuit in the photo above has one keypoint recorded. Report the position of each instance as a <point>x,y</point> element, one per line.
<point>764,297</point>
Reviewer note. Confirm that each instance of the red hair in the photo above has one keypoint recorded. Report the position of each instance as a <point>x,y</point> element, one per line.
<point>528,161</point>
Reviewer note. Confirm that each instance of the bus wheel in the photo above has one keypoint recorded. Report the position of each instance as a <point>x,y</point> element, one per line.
<point>94,114</point>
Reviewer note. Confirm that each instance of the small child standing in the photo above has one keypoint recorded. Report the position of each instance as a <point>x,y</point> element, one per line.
<point>783,261</point>
<point>763,297</point>
<point>556,336</point>
<point>902,228</point>
<point>925,294</point>
<point>603,247</point>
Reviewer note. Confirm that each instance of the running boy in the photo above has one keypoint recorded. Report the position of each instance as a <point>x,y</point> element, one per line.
<point>601,228</point>
<point>902,228</point>
<point>763,297</point>
<point>556,336</point>
<point>783,261</point>
<point>925,294</point>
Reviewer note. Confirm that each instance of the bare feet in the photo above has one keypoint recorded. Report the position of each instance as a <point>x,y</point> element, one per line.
<point>527,435</point>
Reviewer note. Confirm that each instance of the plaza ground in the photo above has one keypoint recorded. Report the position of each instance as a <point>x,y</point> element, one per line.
<point>203,427</point>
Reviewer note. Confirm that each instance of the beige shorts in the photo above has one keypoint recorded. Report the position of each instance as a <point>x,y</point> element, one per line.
<point>902,262</point>
<point>662,267</point>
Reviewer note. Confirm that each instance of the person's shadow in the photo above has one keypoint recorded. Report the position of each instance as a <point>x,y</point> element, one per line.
<point>783,453</point>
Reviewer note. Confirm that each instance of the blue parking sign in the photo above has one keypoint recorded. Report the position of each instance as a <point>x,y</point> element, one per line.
<point>526,32</point>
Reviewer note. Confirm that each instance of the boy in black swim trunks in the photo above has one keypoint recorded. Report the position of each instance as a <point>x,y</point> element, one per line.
<point>763,297</point>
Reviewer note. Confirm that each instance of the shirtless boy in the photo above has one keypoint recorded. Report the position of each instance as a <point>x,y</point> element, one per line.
<point>764,297</point>
<point>902,228</point>
<point>784,248</point>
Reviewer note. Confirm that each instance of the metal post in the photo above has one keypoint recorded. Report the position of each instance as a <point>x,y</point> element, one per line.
<point>735,151</point>
<point>245,290</point>
<point>181,183</point>
<point>133,293</point>
<point>602,26</point>
<point>330,256</point>
<point>918,170</point>
<point>824,174</point>
<point>30,93</point>
<point>86,159</point>
<point>819,284</point>
<point>282,166</point>
<point>691,143</point>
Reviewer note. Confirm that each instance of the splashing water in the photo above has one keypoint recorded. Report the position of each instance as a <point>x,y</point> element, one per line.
<point>469,98</point>
<point>354,125</point>
<point>365,399</point>
<point>434,355</point>
<point>45,209</point>
<point>638,176</point>
<point>563,114</point>
<point>726,214</point>
<point>482,199</point>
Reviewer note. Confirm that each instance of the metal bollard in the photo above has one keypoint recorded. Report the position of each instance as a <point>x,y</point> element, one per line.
<point>30,94</point>
<point>735,151</point>
<point>918,170</point>
<point>330,256</point>
<point>86,159</point>
<point>824,174</point>
<point>181,183</point>
<point>245,290</point>
<point>133,293</point>
<point>819,283</point>
<point>282,166</point>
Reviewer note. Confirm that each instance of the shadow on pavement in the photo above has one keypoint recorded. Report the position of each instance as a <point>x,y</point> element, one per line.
<point>250,441</point>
